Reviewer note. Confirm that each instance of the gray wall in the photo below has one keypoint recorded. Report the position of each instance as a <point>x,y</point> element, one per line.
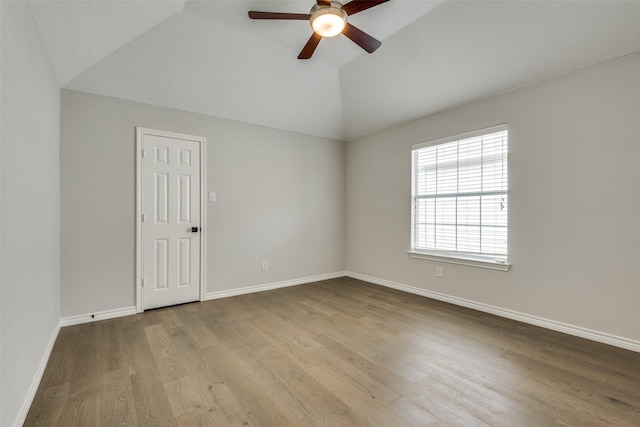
<point>280,198</point>
<point>30,208</point>
<point>574,201</point>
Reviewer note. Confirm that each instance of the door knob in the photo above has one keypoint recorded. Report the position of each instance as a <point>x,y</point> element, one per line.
<point>194,229</point>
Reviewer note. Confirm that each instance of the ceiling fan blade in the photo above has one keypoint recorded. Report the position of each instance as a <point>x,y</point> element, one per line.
<point>324,2</point>
<point>310,47</point>
<point>361,38</point>
<point>276,15</point>
<point>356,6</point>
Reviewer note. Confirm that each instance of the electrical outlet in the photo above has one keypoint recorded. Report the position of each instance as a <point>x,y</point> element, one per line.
<point>439,271</point>
<point>265,265</point>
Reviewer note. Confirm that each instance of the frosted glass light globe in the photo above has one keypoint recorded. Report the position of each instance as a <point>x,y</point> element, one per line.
<point>328,21</point>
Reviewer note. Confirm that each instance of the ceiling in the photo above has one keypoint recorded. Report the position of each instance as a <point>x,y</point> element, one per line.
<point>208,57</point>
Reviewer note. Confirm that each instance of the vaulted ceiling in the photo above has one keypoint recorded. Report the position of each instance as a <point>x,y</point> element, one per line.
<point>208,57</point>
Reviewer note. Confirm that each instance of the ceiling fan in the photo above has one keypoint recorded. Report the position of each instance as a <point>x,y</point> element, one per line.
<point>328,19</point>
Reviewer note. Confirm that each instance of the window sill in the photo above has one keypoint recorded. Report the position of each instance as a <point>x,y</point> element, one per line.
<point>460,260</point>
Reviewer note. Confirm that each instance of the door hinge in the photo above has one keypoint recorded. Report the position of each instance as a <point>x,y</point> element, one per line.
<point>143,153</point>
<point>143,282</point>
<point>142,217</point>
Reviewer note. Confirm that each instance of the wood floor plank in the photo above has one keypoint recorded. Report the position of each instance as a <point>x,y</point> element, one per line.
<point>169,363</point>
<point>332,353</point>
<point>375,371</point>
<point>200,418</point>
<point>226,337</point>
<point>169,316</point>
<point>294,389</point>
<point>443,401</point>
<point>183,396</point>
<point>197,329</point>
<point>269,320</point>
<point>83,400</point>
<point>60,365</point>
<point>597,401</point>
<point>47,410</point>
<point>295,344</point>
<point>83,404</point>
<point>250,336</point>
<point>412,413</point>
<point>201,364</point>
<point>259,404</point>
<point>385,349</point>
<point>363,407</point>
<point>327,409</point>
<point>118,405</point>
<point>140,356</point>
<point>152,403</point>
<point>114,350</point>
<point>377,390</point>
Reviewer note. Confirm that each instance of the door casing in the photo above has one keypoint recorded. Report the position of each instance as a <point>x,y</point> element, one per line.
<point>140,132</point>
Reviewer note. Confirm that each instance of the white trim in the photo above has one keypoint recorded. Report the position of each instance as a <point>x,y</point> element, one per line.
<point>202,141</point>
<point>203,217</point>
<point>138,260</point>
<point>24,411</point>
<point>94,317</point>
<point>271,286</point>
<point>453,259</point>
<point>484,131</point>
<point>454,256</point>
<point>577,331</point>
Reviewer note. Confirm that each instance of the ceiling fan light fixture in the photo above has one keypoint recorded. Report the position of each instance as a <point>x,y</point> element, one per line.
<point>328,21</point>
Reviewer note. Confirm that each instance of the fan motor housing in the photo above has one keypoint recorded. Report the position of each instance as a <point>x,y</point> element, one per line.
<point>330,16</point>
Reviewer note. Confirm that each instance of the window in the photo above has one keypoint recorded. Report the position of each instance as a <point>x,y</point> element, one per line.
<point>460,199</point>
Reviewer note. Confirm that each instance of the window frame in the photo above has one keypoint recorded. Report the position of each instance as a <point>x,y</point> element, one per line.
<point>448,256</point>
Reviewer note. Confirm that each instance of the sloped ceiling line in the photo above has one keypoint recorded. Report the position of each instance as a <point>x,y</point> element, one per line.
<point>78,34</point>
<point>209,57</point>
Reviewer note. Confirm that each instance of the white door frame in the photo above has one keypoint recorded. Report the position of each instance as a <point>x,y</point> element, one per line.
<point>140,132</point>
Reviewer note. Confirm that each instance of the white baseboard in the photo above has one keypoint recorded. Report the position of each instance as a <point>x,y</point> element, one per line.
<point>577,331</point>
<point>271,286</point>
<point>602,337</point>
<point>24,411</point>
<point>127,311</point>
<point>101,315</point>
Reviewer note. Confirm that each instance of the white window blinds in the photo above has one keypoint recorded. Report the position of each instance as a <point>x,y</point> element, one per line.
<point>460,197</point>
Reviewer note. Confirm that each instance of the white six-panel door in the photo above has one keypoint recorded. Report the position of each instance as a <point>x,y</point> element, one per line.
<point>170,220</point>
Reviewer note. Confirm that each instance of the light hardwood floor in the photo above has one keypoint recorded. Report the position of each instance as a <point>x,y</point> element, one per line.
<point>334,353</point>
